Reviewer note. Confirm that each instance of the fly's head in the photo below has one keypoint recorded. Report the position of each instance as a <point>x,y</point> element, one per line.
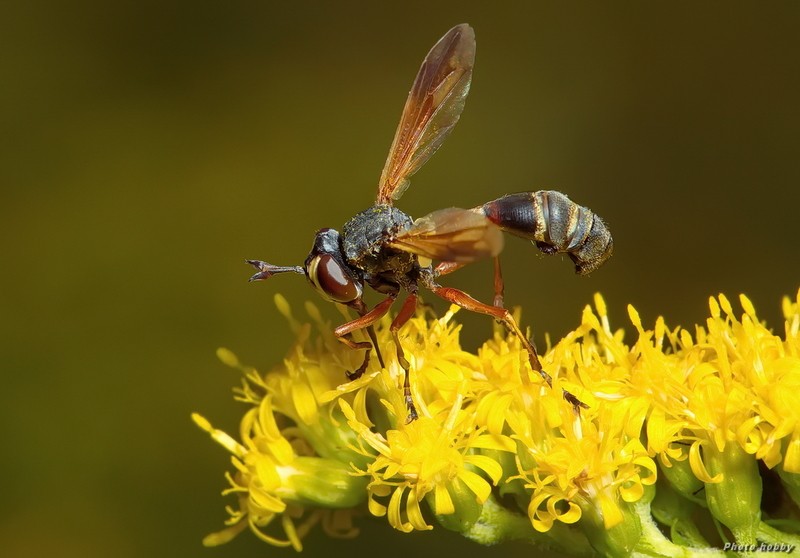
<point>325,268</point>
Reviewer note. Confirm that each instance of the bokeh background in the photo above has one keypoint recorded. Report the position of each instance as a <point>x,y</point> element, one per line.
<point>147,147</point>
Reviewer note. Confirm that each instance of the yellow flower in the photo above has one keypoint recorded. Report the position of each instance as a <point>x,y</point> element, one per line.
<point>275,481</point>
<point>498,454</point>
<point>429,457</point>
<point>596,459</point>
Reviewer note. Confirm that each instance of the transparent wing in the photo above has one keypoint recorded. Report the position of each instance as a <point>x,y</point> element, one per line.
<point>451,235</point>
<point>432,109</point>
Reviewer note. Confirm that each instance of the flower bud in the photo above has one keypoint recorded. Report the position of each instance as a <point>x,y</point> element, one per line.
<point>682,479</point>
<point>323,483</point>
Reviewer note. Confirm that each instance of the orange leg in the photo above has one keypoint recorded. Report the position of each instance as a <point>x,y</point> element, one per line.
<point>499,287</point>
<point>465,301</point>
<point>444,268</point>
<point>407,310</point>
<point>374,339</point>
<point>364,321</point>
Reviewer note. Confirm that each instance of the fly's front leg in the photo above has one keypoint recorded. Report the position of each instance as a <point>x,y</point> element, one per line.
<point>364,321</point>
<point>356,374</point>
<point>407,310</point>
<point>466,302</point>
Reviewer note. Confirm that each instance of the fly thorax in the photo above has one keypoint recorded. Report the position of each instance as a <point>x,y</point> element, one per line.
<point>365,238</point>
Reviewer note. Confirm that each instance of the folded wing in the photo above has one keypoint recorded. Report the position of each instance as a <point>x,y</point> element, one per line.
<point>452,235</point>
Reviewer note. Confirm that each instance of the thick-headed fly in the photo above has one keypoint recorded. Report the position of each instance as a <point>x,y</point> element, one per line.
<point>382,246</point>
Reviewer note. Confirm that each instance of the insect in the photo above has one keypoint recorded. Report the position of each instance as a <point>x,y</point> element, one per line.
<point>386,249</point>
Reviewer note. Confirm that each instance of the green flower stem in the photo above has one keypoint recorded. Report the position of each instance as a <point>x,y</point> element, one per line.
<point>770,535</point>
<point>736,500</point>
<point>497,524</point>
<point>678,513</point>
<point>654,543</point>
<point>791,482</point>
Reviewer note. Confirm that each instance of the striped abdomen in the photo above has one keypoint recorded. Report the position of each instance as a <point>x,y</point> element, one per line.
<point>555,224</point>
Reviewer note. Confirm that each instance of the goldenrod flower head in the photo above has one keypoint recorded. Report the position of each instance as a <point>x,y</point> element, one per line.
<point>696,411</point>
<point>429,457</point>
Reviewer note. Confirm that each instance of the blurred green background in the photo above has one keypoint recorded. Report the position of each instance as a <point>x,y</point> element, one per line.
<point>146,148</point>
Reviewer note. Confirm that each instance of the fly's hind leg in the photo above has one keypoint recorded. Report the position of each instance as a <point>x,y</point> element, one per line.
<point>499,286</point>
<point>465,301</point>
<point>406,311</point>
<point>445,268</point>
<point>499,294</point>
<point>364,321</point>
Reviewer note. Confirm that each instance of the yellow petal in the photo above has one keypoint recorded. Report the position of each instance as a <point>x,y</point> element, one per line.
<point>265,502</point>
<point>304,403</point>
<point>492,442</point>
<point>291,533</point>
<point>225,535</point>
<point>415,514</point>
<point>395,518</point>
<point>698,467</point>
<point>360,406</point>
<point>487,465</point>
<point>376,508</point>
<point>612,515</point>
<point>632,490</point>
<point>572,514</point>
<point>791,461</point>
<point>444,503</point>
<point>477,484</point>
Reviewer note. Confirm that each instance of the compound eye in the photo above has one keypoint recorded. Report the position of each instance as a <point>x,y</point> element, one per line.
<point>332,280</point>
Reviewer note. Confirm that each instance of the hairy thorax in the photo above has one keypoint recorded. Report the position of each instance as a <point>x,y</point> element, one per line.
<point>365,238</point>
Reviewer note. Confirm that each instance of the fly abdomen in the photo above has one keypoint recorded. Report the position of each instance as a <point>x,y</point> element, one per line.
<point>554,223</point>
